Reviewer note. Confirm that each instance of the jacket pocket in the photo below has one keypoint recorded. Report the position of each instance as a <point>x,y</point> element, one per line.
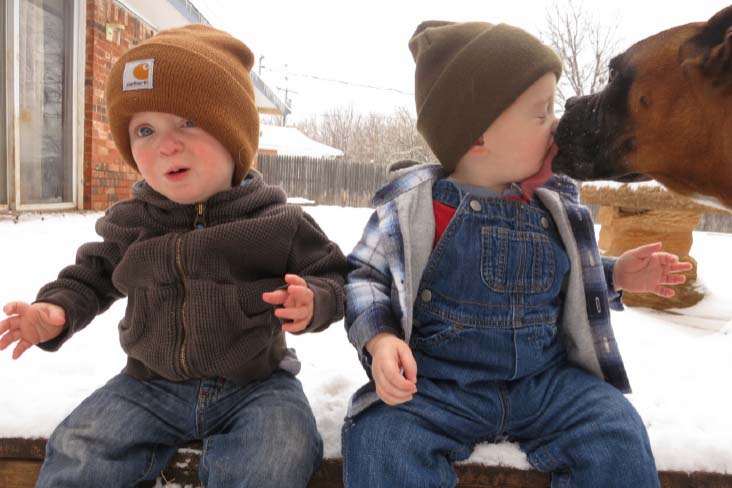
<point>516,261</point>
<point>221,331</point>
<point>132,326</point>
<point>149,324</point>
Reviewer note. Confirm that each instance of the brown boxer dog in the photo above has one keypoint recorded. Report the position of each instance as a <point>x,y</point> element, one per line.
<point>666,114</point>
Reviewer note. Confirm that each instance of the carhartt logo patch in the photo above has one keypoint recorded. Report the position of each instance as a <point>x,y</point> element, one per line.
<point>138,75</point>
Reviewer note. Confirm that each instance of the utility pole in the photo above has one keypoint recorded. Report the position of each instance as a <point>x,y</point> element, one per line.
<point>287,98</point>
<point>287,101</point>
<point>259,68</point>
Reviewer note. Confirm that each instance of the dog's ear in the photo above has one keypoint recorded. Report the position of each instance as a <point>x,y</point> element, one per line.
<point>710,51</point>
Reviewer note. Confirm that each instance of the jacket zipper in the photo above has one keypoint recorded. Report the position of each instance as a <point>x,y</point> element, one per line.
<point>198,223</point>
<point>181,271</point>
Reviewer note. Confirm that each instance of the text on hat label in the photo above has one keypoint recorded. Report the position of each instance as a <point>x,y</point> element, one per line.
<point>138,75</point>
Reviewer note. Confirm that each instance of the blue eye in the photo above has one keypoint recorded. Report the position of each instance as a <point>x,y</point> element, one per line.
<point>144,131</point>
<point>188,123</point>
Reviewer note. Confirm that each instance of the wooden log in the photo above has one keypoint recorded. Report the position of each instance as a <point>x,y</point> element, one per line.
<point>20,463</point>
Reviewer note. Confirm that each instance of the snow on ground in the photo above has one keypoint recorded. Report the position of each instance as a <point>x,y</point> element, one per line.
<point>679,362</point>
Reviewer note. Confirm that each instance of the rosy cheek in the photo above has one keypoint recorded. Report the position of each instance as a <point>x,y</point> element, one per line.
<point>204,152</point>
<point>144,159</point>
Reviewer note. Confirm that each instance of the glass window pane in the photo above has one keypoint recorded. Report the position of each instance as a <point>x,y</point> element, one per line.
<point>46,173</point>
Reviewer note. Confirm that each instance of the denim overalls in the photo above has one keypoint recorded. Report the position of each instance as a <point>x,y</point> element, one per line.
<point>491,366</point>
<point>490,296</point>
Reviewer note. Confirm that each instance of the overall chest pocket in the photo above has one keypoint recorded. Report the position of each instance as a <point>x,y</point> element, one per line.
<point>515,261</point>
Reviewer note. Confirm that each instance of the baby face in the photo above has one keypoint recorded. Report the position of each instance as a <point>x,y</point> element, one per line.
<point>515,145</point>
<point>183,162</point>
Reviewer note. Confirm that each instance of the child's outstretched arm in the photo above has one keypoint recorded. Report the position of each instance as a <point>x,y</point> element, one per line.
<point>27,325</point>
<point>81,292</point>
<point>645,269</point>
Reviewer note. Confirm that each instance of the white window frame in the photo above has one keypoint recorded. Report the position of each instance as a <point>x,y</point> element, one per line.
<point>74,117</point>
<point>4,205</point>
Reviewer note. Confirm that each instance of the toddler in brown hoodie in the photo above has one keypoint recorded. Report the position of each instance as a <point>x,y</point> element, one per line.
<point>215,265</point>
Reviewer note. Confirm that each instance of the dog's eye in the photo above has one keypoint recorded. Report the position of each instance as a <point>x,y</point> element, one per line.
<point>644,101</point>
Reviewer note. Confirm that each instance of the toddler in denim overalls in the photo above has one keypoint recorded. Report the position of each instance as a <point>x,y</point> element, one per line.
<point>478,302</point>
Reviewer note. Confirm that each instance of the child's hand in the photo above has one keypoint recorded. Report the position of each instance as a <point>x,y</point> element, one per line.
<point>643,269</point>
<point>296,301</point>
<point>30,324</point>
<point>390,356</point>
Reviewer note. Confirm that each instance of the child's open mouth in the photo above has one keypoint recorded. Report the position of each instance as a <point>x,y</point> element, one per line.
<point>177,173</point>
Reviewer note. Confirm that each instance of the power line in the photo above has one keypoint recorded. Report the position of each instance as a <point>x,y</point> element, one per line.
<point>344,82</point>
<point>216,6</point>
<point>326,115</point>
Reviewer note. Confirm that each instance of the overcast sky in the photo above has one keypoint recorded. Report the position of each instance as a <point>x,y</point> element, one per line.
<point>324,51</point>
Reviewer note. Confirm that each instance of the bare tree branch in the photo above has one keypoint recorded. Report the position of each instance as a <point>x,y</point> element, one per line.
<point>584,43</point>
<point>374,137</point>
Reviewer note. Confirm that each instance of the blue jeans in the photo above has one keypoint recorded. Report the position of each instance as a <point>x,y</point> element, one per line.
<point>260,435</point>
<point>568,422</point>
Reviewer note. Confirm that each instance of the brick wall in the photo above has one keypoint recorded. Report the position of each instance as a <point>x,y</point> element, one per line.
<point>107,178</point>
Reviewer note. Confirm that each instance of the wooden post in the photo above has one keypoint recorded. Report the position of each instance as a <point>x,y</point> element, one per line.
<point>624,229</point>
<point>635,214</point>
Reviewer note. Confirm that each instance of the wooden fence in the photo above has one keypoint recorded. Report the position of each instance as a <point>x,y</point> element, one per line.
<point>325,181</point>
<point>715,223</point>
<point>352,184</point>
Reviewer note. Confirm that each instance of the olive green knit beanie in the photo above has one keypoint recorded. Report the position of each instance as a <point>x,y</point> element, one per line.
<point>196,72</point>
<point>466,75</point>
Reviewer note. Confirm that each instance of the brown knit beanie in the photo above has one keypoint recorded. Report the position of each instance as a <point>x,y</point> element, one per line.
<point>466,75</point>
<point>195,72</point>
